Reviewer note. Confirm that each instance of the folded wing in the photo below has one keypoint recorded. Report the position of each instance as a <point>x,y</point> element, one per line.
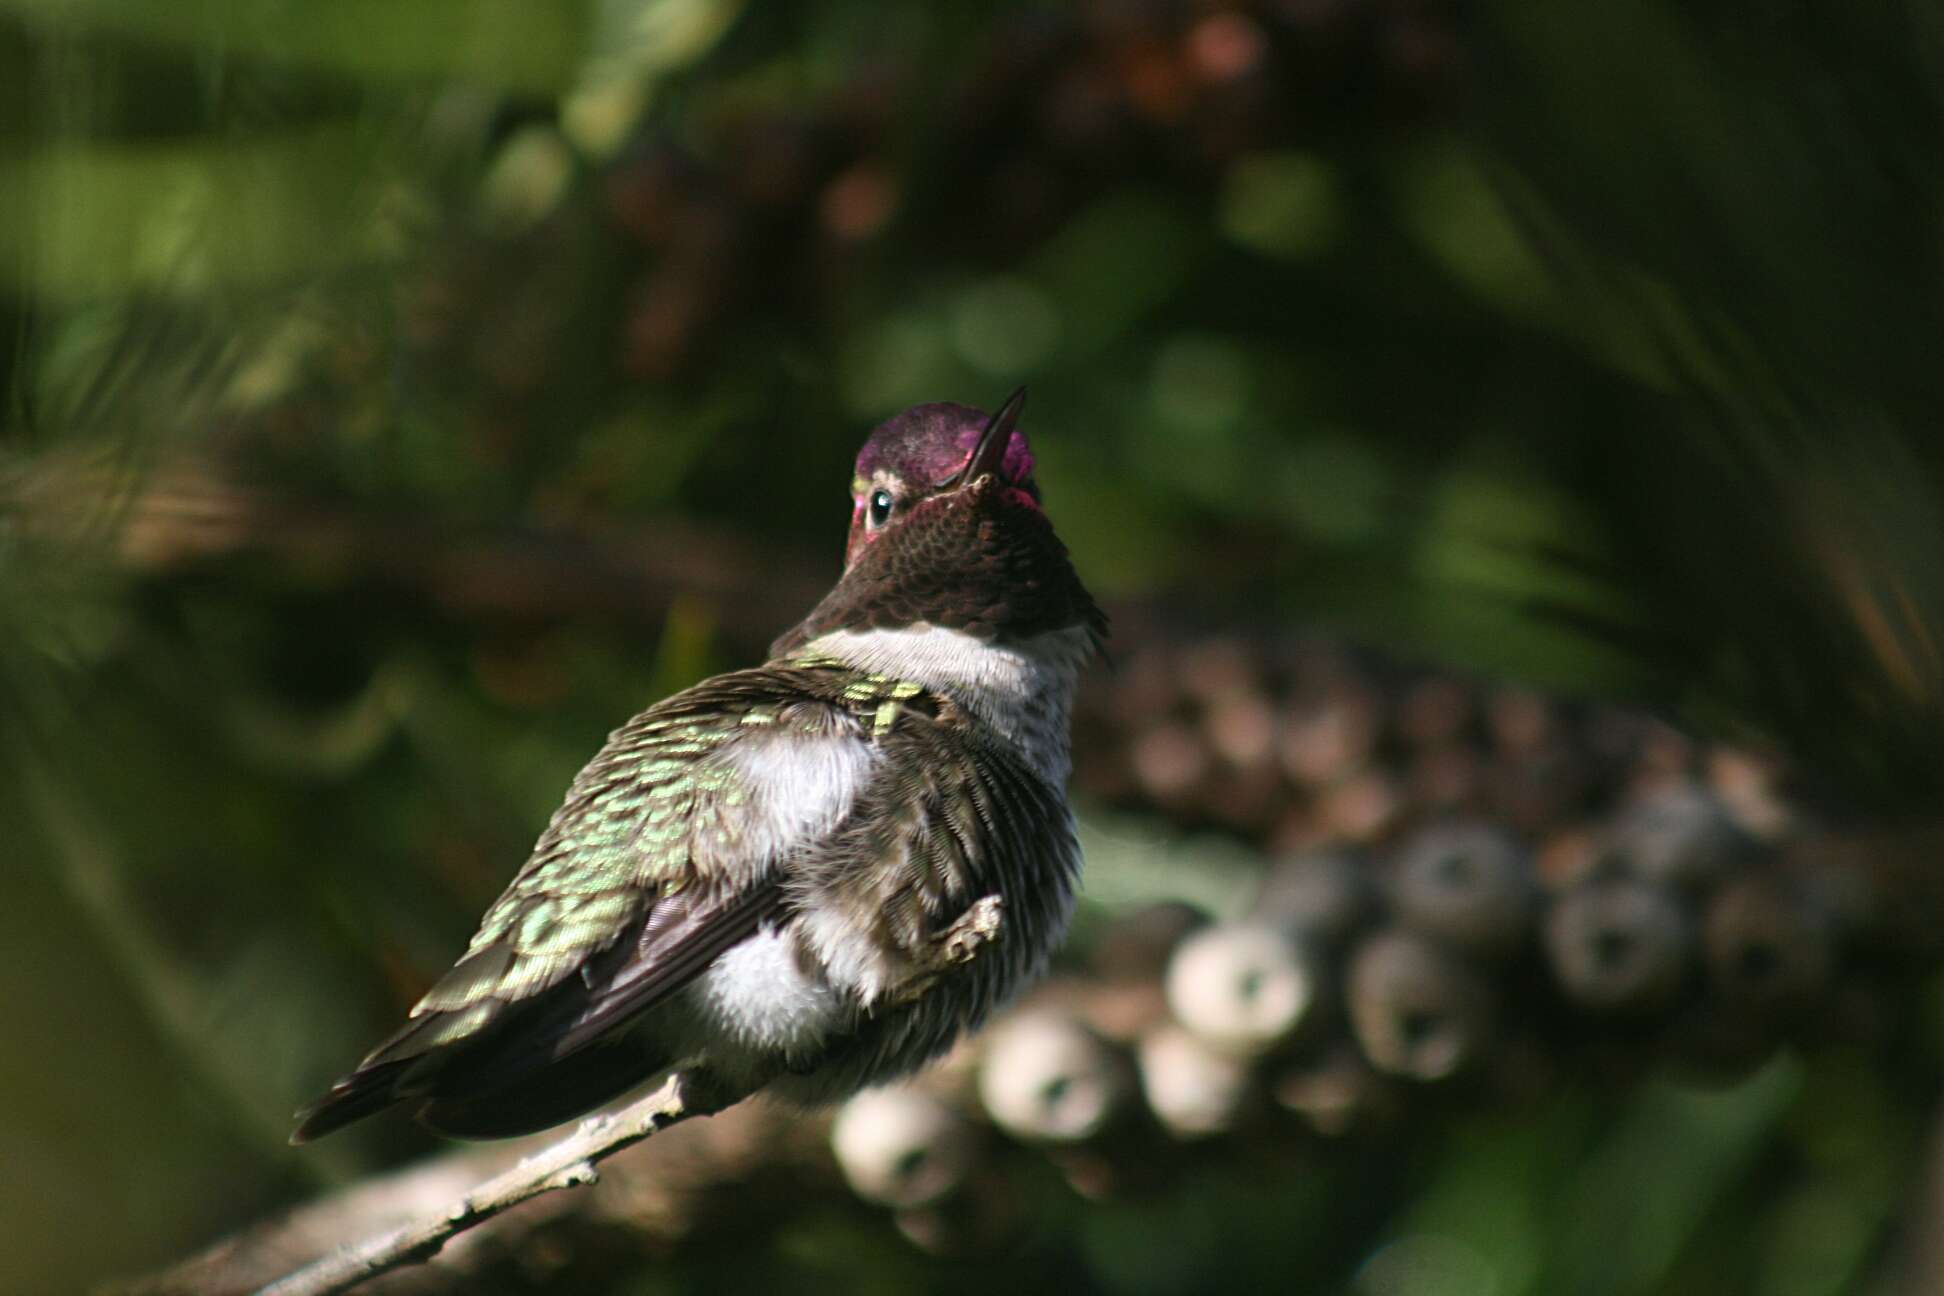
<point>662,857</point>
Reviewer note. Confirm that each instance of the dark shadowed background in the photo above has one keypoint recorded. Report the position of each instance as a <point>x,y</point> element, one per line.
<point>399,396</point>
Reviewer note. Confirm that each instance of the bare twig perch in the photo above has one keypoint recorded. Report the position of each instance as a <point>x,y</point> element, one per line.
<point>566,1164</point>
<point>571,1162</point>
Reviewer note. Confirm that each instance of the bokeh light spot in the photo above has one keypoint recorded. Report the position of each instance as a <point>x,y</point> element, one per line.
<point>1005,325</point>
<point>1284,205</point>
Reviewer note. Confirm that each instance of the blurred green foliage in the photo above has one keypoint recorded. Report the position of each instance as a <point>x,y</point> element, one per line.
<point>399,396</point>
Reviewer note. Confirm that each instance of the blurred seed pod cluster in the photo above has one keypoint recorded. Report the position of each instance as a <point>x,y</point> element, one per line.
<point>1469,894</point>
<point>1293,743</point>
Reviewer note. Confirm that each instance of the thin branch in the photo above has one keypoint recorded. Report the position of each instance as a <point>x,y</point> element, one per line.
<point>567,1164</point>
<point>651,1197</point>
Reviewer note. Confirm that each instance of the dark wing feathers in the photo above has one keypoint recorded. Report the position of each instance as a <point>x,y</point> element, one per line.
<point>535,1100</point>
<point>668,955</point>
<point>952,816</point>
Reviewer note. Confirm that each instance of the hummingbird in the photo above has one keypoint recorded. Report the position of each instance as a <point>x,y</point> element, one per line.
<point>751,874</point>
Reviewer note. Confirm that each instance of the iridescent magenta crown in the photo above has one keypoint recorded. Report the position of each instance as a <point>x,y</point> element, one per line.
<point>927,444</point>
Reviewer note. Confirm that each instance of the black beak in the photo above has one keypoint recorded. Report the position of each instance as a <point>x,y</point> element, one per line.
<point>986,456</point>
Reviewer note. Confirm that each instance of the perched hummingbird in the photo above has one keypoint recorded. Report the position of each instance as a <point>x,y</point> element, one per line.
<point>748,872</point>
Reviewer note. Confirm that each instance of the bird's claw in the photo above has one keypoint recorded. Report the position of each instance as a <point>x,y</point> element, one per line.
<point>957,945</point>
<point>978,926</point>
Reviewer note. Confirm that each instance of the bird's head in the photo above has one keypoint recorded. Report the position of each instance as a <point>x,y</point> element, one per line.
<point>922,460</point>
<point>947,530</point>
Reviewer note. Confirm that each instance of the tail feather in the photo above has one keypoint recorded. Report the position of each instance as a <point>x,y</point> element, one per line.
<point>571,1087</point>
<point>493,1070</point>
<point>365,1092</point>
<point>413,1052</point>
<point>495,1088</point>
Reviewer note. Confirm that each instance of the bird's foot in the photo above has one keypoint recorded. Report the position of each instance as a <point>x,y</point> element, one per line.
<point>978,926</point>
<point>981,924</point>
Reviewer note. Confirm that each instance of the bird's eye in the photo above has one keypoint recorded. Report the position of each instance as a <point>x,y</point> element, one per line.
<point>881,505</point>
